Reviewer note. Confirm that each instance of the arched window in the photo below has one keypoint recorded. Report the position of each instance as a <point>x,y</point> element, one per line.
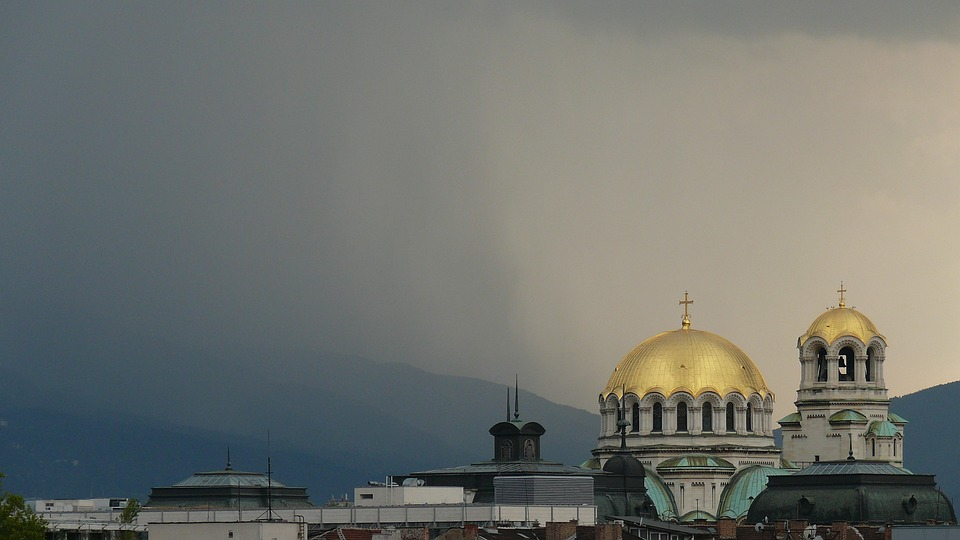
<point>749,417</point>
<point>845,363</point>
<point>821,365</point>
<point>506,450</point>
<point>635,418</point>
<point>707,417</point>
<point>873,445</point>
<point>868,373</point>
<point>657,417</point>
<point>730,426</point>
<point>682,416</point>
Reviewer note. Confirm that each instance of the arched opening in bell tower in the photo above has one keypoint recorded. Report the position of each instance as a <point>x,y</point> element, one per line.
<point>845,364</point>
<point>821,365</point>
<point>869,368</point>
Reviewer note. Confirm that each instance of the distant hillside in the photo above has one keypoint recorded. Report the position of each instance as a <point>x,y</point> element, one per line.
<point>335,421</point>
<point>933,434</point>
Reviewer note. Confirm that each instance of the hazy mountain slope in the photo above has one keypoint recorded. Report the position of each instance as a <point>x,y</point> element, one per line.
<point>150,415</point>
<point>933,434</point>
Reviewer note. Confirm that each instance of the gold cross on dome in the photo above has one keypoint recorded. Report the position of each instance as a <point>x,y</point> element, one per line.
<point>841,290</point>
<point>686,315</point>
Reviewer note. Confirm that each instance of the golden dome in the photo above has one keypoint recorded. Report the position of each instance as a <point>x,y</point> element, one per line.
<point>686,360</point>
<point>839,322</point>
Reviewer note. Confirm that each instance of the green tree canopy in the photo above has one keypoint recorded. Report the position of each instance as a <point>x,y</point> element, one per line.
<point>17,522</point>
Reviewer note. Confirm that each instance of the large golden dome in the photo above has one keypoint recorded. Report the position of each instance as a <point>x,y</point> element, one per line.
<point>686,360</point>
<point>841,321</point>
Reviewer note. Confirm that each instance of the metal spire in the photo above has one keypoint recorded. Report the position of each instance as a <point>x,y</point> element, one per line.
<point>516,398</point>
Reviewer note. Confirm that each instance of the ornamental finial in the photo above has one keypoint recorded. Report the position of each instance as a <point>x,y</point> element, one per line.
<point>841,290</point>
<point>686,315</point>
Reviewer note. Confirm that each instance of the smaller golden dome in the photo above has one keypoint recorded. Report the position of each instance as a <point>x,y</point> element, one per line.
<point>839,322</point>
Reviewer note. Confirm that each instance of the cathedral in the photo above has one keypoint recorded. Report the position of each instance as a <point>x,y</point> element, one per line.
<point>694,409</point>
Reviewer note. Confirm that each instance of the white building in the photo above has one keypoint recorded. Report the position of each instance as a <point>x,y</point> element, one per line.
<point>256,530</point>
<point>78,505</point>
<point>401,495</point>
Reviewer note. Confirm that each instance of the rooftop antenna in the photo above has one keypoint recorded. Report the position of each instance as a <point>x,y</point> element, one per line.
<point>516,399</point>
<point>269,513</point>
<point>229,466</point>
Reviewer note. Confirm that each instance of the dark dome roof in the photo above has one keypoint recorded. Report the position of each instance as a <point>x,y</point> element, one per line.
<point>624,465</point>
<point>852,491</point>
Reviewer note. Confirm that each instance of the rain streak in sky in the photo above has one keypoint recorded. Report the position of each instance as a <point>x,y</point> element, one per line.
<point>482,188</point>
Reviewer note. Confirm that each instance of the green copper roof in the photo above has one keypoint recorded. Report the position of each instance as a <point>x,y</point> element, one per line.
<point>743,487</point>
<point>821,468</point>
<point>882,428</point>
<point>896,418</point>
<point>227,478</point>
<point>787,464</point>
<point>848,416</point>
<point>661,495</point>
<point>657,490</point>
<point>695,461</point>
<point>792,418</point>
<point>695,515</point>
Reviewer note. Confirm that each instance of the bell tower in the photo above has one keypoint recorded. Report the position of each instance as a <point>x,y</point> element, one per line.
<point>842,403</point>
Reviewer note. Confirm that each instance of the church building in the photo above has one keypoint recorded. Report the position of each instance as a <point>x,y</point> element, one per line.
<point>698,411</point>
<point>695,411</point>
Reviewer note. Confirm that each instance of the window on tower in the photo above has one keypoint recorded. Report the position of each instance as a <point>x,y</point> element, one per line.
<point>635,418</point>
<point>868,372</point>
<point>657,417</point>
<point>730,426</point>
<point>821,365</point>
<point>749,417</point>
<point>682,416</point>
<point>506,450</point>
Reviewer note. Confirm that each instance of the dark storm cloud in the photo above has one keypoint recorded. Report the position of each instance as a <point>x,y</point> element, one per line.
<point>478,188</point>
<point>240,172</point>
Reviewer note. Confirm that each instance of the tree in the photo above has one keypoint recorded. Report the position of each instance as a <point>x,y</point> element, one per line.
<point>129,515</point>
<point>17,521</point>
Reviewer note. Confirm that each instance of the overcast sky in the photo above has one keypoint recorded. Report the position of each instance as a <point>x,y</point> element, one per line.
<point>483,188</point>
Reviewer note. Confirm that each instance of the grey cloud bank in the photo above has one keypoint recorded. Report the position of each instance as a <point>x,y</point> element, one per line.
<point>480,189</point>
